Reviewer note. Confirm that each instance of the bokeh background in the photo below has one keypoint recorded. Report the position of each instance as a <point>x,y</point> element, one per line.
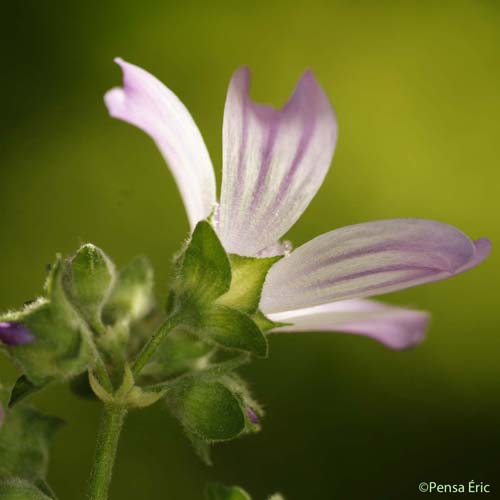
<point>416,89</point>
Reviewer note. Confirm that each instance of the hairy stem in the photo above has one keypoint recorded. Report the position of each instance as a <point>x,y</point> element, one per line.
<point>105,453</point>
<point>153,343</point>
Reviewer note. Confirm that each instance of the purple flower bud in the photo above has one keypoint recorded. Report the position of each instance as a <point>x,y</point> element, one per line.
<point>15,334</point>
<point>252,416</point>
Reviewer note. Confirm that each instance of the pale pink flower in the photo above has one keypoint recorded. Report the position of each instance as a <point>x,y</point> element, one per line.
<point>274,161</point>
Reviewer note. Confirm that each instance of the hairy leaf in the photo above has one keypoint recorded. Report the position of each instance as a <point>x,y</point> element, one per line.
<point>25,438</point>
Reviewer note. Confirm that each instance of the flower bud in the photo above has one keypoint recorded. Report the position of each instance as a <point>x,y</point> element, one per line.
<point>12,334</point>
<point>252,416</point>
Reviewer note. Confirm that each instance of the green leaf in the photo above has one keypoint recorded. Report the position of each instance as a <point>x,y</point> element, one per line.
<point>232,329</point>
<point>205,271</point>
<point>208,410</point>
<point>89,280</point>
<point>20,489</point>
<point>248,275</point>
<point>132,296</point>
<point>25,438</point>
<point>63,345</point>
<point>22,388</point>
<point>220,492</point>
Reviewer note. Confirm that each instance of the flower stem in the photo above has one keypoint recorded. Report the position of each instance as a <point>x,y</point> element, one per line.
<point>153,343</point>
<point>105,453</point>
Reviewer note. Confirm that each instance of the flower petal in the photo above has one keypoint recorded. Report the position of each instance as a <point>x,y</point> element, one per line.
<point>146,103</point>
<point>274,162</point>
<point>14,334</point>
<point>369,259</point>
<point>395,327</point>
<point>482,250</point>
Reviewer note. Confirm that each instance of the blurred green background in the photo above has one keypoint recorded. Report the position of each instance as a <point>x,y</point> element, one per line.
<point>416,89</point>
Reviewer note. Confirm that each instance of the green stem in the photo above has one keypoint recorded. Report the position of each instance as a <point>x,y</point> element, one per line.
<point>153,343</point>
<point>113,417</point>
<point>102,374</point>
<point>105,453</point>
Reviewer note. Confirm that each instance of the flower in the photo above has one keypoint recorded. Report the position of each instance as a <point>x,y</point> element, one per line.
<point>13,334</point>
<point>274,161</point>
<point>252,416</point>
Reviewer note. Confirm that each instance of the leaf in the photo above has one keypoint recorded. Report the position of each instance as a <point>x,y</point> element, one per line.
<point>208,410</point>
<point>22,388</point>
<point>20,489</point>
<point>25,438</point>
<point>220,492</point>
<point>90,276</point>
<point>132,296</point>
<point>232,329</point>
<point>248,276</point>
<point>205,271</point>
<point>277,496</point>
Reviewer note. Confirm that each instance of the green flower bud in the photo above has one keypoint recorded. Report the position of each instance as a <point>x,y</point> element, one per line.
<point>89,280</point>
<point>208,410</point>
<point>131,298</point>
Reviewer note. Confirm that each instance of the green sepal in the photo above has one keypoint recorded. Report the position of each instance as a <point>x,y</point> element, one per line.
<point>277,496</point>
<point>90,276</point>
<point>63,345</point>
<point>205,270</point>
<point>132,297</point>
<point>248,276</point>
<point>25,438</point>
<point>23,387</point>
<point>44,487</point>
<point>179,353</point>
<point>264,323</point>
<point>20,489</point>
<point>241,390</point>
<point>202,448</point>
<point>231,329</point>
<point>221,492</point>
<point>128,395</point>
<point>207,410</point>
